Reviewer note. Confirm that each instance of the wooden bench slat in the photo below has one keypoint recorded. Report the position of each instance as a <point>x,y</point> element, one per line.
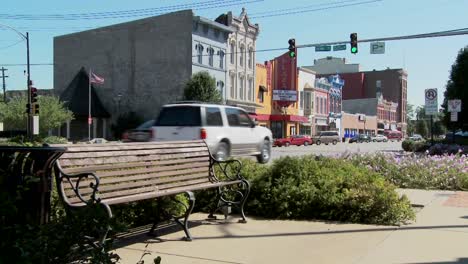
<point>150,189</point>
<point>124,146</point>
<point>141,177</point>
<point>126,152</point>
<point>81,169</point>
<point>107,161</point>
<point>139,184</point>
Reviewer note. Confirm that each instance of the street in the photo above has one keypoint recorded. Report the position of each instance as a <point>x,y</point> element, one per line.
<point>337,149</point>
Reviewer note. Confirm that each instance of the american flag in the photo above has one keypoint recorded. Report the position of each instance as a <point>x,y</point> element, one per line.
<point>96,79</point>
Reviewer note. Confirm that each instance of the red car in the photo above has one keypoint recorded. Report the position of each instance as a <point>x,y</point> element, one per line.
<point>297,140</point>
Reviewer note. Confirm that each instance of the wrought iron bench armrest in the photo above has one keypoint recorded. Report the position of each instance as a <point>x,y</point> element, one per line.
<point>76,187</point>
<point>225,166</point>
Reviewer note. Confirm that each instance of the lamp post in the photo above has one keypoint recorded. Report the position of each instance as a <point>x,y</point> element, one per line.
<point>29,127</point>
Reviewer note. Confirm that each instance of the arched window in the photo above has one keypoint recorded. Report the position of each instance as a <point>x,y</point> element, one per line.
<point>233,52</point>
<point>199,48</point>
<point>250,58</point>
<point>210,56</point>
<point>241,57</point>
<point>221,59</point>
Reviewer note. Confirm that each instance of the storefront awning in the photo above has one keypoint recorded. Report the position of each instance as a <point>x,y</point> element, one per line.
<point>260,117</point>
<point>291,118</point>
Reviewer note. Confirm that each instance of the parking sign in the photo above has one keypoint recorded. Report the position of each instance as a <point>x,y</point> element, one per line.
<point>431,107</point>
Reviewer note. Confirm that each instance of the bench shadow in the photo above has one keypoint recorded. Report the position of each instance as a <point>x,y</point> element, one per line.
<point>458,261</point>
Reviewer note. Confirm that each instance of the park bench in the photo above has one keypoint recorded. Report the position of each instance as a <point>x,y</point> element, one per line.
<point>120,173</point>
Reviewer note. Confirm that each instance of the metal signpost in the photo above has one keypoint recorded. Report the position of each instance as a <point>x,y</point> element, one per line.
<point>431,107</point>
<point>454,106</point>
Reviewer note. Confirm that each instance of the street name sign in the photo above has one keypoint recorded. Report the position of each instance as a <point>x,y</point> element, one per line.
<point>323,48</point>
<point>431,107</point>
<point>377,47</point>
<point>339,47</point>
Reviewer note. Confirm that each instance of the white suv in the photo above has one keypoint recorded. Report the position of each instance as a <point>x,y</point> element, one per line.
<point>227,130</point>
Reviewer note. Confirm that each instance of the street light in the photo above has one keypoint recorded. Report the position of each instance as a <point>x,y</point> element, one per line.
<point>29,127</point>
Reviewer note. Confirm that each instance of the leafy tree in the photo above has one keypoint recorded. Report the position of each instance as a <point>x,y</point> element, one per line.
<point>409,118</point>
<point>457,88</point>
<point>421,128</point>
<point>202,87</point>
<point>52,113</point>
<point>439,128</point>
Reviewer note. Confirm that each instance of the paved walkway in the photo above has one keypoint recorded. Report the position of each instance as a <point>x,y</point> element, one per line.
<point>439,235</point>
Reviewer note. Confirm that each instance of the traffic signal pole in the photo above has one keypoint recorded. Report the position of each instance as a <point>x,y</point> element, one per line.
<point>29,127</point>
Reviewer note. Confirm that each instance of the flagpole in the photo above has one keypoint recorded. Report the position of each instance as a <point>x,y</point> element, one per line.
<point>89,105</point>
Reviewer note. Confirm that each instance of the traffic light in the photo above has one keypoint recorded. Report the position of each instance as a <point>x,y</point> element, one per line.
<point>35,109</point>
<point>354,47</point>
<point>292,48</point>
<point>33,95</point>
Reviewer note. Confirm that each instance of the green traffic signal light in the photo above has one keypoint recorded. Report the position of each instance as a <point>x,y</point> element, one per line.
<point>353,50</point>
<point>292,54</point>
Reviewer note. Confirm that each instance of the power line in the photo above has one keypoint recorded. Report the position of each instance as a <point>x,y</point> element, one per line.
<point>301,7</point>
<point>14,44</point>
<point>284,12</point>
<point>128,13</point>
<point>447,33</point>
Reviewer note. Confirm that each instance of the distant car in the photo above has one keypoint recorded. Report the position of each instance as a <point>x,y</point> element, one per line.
<point>327,137</point>
<point>299,140</point>
<point>359,138</point>
<point>140,134</point>
<point>416,137</point>
<point>280,142</point>
<point>393,135</point>
<point>379,138</point>
<point>227,130</point>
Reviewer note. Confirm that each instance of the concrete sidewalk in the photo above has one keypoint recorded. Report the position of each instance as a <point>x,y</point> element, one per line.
<point>439,235</point>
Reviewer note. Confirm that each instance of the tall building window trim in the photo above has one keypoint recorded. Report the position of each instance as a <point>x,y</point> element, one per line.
<point>232,86</point>
<point>241,56</point>
<point>241,88</point>
<point>250,59</point>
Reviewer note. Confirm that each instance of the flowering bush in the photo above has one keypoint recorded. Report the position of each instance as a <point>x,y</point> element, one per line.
<point>446,172</point>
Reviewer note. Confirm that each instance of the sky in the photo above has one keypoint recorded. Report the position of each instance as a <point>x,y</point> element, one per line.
<point>427,61</point>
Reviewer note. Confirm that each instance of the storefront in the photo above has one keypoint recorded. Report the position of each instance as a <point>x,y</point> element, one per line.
<point>286,125</point>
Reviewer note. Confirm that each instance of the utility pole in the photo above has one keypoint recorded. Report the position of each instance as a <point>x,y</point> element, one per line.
<point>30,122</point>
<point>4,86</point>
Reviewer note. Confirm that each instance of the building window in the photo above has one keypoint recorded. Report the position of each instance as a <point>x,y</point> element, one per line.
<point>241,88</point>
<point>261,97</point>
<point>250,95</point>
<point>210,56</point>
<point>250,58</point>
<point>233,91</point>
<point>200,53</point>
<point>321,106</point>
<point>220,85</point>
<point>301,100</point>
<point>317,105</point>
<point>241,58</point>
<point>292,130</point>
<point>221,59</point>
<point>233,52</point>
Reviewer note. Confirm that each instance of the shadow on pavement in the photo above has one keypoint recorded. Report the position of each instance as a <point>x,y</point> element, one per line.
<point>458,261</point>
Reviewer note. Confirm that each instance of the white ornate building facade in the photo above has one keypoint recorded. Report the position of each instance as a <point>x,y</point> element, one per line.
<point>240,81</point>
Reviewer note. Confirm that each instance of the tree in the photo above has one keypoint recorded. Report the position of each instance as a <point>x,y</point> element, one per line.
<point>52,113</point>
<point>421,128</point>
<point>439,128</point>
<point>202,87</point>
<point>410,128</point>
<point>457,88</point>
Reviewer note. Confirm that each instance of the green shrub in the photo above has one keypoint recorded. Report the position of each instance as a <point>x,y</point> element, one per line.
<point>407,145</point>
<point>55,140</point>
<point>322,188</point>
<point>413,146</point>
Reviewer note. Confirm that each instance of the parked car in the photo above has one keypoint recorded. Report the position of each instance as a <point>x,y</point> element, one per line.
<point>327,137</point>
<point>379,138</point>
<point>359,138</point>
<point>393,135</point>
<point>142,133</point>
<point>227,130</point>
<point>280,142</point>
<point>416,137</point>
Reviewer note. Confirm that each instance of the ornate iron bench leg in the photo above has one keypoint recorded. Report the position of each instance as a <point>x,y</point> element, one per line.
<point>188,211</point>
<point>215,207</point>
<point>245,195</point>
